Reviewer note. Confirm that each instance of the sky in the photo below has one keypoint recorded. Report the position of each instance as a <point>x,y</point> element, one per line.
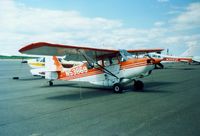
<point>113,24</point>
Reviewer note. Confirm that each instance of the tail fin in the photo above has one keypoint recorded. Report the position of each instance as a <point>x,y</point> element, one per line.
<point>54,69</point>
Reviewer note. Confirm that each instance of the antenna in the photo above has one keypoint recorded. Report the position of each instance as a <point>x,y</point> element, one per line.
<point>167,51</point>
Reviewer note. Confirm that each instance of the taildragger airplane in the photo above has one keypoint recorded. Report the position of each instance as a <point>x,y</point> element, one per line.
<point>105,67</point>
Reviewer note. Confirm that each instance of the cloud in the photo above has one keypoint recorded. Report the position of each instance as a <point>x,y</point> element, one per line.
<point>18,18</point>
<point>21,25</point>
<point>189,19</point>
<point>159,24</point>
<point>162,1</point>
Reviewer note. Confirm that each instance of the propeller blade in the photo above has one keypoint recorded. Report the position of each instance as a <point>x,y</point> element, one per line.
<point>160,65</point>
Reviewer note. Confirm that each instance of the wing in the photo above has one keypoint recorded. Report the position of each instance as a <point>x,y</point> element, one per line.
<point>144,51</point>
<point>73,52</point>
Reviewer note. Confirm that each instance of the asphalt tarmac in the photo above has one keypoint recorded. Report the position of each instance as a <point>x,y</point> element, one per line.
<point>169,105</point>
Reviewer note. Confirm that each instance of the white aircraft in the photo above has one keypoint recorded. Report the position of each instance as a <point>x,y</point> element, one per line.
<point>193,52</point>
<point>196,59</point>
<point>106,67</point>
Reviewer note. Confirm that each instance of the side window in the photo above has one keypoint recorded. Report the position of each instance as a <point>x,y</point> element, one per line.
<point>94,65</point>
<point>121,59</point>
<point>41,59</point>
<point>111,61</point>
<point>114,60</point>
<point>106,62</point>
<point>90,66</point>
<point>99,63</point>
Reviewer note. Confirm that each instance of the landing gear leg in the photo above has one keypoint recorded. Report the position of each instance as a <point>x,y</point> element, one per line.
<point>138,85</point>
<point>50,83</point>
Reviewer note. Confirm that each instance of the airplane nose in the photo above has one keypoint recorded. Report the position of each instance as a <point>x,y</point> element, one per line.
<point>156,62</point>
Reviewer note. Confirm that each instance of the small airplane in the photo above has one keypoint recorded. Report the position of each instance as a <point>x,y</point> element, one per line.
<point>169,59</point>
<point>105,67</point>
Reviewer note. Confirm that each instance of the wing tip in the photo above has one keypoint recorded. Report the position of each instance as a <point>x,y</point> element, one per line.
<point>32,46</point>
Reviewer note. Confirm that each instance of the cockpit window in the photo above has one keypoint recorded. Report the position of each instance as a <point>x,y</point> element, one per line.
<point>42,59</point>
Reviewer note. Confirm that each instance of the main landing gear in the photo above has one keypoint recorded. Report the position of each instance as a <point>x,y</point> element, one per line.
<point>138,86</point>
<point>118,88</point>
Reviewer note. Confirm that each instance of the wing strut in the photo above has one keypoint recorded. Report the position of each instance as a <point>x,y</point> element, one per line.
<point>88,59</point>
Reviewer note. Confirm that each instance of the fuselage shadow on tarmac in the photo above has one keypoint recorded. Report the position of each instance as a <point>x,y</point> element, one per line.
<point>152,87</point>
<point>82,94</point>
<point>77,91</point>
<point>89,92</point>
<point>181,68</point>
<point>184,67</point>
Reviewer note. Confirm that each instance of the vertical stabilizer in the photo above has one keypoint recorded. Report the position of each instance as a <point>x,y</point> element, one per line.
<point>54,69</point>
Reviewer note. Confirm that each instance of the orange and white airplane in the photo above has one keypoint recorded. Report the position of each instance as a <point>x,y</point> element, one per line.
<point>168,58</point>
<point>106,67</point>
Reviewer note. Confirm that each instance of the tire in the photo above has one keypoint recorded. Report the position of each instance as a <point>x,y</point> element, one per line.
<point>50,83</point>
<point>138,85</point>
<point>15,78</point>
<point>117,88</point>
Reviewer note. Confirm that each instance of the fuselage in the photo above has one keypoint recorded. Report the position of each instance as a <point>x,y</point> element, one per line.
<point>119,71</point>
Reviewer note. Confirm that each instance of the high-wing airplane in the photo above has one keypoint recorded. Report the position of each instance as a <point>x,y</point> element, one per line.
<point>106,67</point>
<point>168,58</point>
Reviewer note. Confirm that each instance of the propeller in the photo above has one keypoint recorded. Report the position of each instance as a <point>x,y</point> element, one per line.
<point>160,65</point>
<point>156,62</point>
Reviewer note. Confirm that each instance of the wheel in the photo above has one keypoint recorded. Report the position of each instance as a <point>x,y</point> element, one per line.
<point>138,85</point>
<point>50,83</point>
<point>15,78</point>
<point>117,88</point>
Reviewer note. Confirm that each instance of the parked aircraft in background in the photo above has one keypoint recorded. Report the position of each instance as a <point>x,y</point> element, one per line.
<point>196,59</point>
<point>106,67</point>
<point>169,59</point>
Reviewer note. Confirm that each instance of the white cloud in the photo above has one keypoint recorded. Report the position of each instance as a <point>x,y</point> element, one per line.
<point>159,24</point>
<point>21,25</point>
<point>24,19</point>
<point>188,19</point>
<point>163,1</point>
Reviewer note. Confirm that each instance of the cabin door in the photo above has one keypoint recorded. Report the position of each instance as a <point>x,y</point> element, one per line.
<point>112,65</point>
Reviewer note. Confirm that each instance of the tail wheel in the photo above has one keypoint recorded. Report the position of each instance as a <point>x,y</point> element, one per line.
<point>50,83</point>
<point>117,88</point>
<point>138,85</point>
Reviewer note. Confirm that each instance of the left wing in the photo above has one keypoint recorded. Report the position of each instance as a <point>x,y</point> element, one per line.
<point>143,51</point>
<point>73,52</point>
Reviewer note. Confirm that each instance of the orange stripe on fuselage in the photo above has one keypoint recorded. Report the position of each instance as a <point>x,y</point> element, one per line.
<point>134,62</point>
<point>131,63</point>
<point>90,72</point>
